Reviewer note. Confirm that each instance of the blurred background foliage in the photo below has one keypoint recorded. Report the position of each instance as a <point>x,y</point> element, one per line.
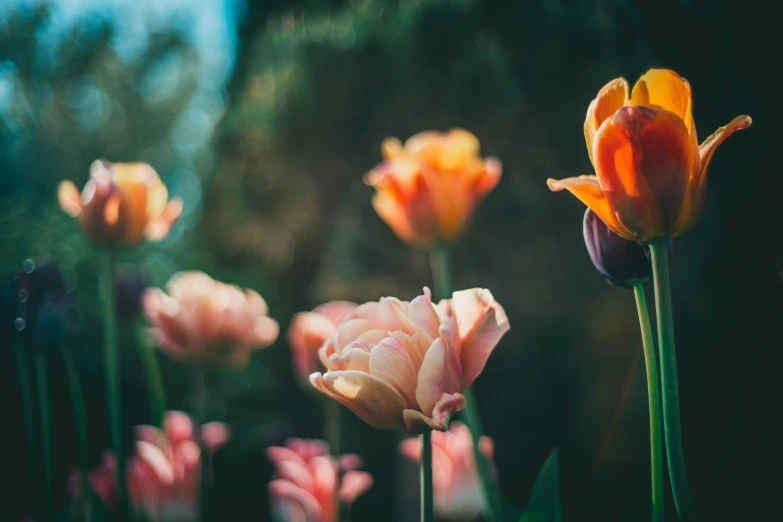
<point>263,116</point>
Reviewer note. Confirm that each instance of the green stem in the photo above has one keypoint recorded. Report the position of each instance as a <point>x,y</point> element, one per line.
<point>26,392</point>
<point>425,476</point>
<point>199,399</point>
<point>659,250</point>
<point>77,399</point>
<point>42,379</point>
<point>155,391</point>
<point>441,275</point>
<point>656,451</point>
<point>113,397</point>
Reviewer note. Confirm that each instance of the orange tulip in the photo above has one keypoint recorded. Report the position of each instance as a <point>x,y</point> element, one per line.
<point>426,190</point>
<point>651,173</point>
<point>121,204</point>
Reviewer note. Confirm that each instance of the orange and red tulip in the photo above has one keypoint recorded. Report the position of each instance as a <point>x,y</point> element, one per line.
<point>651,173</point>
<point>121,204</point>
<point>427,189</point>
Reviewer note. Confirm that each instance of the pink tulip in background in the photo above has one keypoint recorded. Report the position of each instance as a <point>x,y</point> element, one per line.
<point>307,485</point>
<point>406,365</point>
<point>455,480</point>
<point>164,472</point>
<point>201,319</point>
<point>310,330</point>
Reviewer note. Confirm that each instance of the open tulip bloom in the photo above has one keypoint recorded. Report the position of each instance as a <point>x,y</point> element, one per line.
<point>651,173</point>
<point>405,365</point>
<point>310,330</point>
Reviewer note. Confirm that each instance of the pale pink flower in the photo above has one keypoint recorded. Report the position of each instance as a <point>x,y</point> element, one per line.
<point>406,365</point>
<point>200,319</point>
<point>308,485</point>
<point>164,473</point>
<point>310,330</point>
<point>455,479</point>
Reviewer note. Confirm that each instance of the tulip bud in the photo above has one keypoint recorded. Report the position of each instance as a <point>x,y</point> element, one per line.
<point>620,261</point>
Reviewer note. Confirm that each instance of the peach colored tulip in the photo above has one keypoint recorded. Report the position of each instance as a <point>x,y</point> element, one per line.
<point>651,171</point>
<point>455,478</point>
<point>205,320</point>
<point>307,485</point>
<point>406,365</point>
<point>310,330</point>
<point>164,471</point>
<point>426,190</point>
<point>121,204</point>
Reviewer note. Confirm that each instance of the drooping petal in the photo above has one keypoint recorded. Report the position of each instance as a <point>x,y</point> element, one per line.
<point>69,198</point>
<point>390,361</point>
<point>610,98</point>
<point>481,322</point>
<point>416,422</point>
<point>371,398</point>
<point>588,191</point>
<point>644,158</point>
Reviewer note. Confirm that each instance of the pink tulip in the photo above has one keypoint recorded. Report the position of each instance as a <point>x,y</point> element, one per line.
<point>455,479</point>
<point>307,485</point>
<point>164,472</point>
<point>201,319</point>
<point>406,365</point>
<point>310,330</point>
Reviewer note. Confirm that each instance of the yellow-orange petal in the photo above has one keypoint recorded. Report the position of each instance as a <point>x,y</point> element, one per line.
<point>588,191</point>
<point>611,97</point>
<point>665,89</point>
<point>158,229</point>
<point>643,158</point>
<point>695,200</point>
<point>69,198</point>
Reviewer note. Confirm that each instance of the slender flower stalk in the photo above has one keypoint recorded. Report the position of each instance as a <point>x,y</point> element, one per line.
<point>671,400</point>
<point>79,411</point>
<point>113,397</point>
<point>653,397</point>
<point>155,391</point>
<point>26,392</point>
<point>441,275</point>
<point>42,379</point>
<point>199,393</point>
<point>425,476</point>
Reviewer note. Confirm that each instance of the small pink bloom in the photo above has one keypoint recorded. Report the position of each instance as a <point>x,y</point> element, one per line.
<point>307,484</point>
<point>310,330</point>
<point>164,471</point>
<point>406,365</point>
<point>455,479</point>
<point>205,320</point>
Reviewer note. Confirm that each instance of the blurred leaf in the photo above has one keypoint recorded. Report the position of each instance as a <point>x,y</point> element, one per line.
<point>544,502</point>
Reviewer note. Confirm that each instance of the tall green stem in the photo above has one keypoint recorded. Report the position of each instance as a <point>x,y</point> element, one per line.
<point>425,476</point>
<point>659,251</point>
<point>42,379</point>
<point>199,392</point>
<point>441,275</point>
<point>26,392</point>
<point>656,451</point>
<point>155,391</point>
<point>79,410</point>
<point>113,396</point>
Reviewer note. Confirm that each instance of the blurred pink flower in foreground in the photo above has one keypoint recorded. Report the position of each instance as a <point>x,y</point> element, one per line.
<point>307,485</point>
<point>310,330</point>
<point>164,472</point>
<point>205,320</point>
<point>455,479</point>
<point>406,365</point>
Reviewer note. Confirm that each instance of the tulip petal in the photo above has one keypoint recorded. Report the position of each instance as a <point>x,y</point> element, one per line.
<point>665,89</point>
<point>69,198</point>
<point>215,435</point>
<point>416,422</point>
<point>335,311</point>
<point>353,485</point>
<point>423,314</point>
<point>159,227</point>
<point>438,375</point>
<point>286,491</point>
<point>390,361</point>
<point>481,322</point>
<point>372,399</point>
<point>588,191</point>
<point>610,98</point>
<point>393,213</point>
<point>644,160</point>
<point>710,145</point>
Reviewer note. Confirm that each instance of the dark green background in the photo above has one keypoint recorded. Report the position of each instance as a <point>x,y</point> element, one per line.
<point>317,85</point>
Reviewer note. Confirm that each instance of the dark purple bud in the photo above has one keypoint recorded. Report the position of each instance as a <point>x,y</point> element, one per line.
<point>620,261</point>
<point>129,285</point>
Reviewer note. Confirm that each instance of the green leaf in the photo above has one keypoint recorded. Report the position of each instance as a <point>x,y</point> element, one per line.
<point>543,505</point>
